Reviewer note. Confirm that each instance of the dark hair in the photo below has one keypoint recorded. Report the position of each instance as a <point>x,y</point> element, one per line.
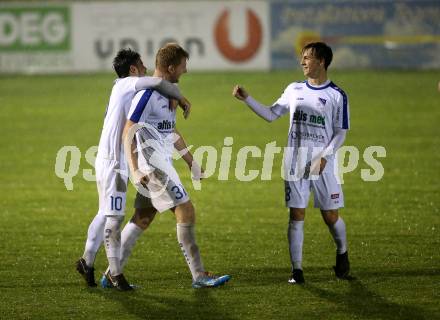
<point>123,60</point>
<point>170,54</point>
<point>320,51</point>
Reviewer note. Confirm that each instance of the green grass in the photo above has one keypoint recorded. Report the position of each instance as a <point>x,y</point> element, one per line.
<point>393,224</point>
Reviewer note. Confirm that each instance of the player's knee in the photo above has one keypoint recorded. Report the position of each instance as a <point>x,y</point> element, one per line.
<point>143,218</point>
<point>185,213</point>
<point>297,214</point>
<point>330,216</point>
<point>114,220</point>
<point>112,225</point>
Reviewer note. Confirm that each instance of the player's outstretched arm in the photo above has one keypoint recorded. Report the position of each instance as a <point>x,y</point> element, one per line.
<point>182,149</point>
<point>165,88</point>
<point>240,93</point>
<point>263,111</point>
<point>129,141</point>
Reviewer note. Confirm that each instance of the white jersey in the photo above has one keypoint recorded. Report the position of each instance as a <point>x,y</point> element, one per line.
<point>155,144</point>
<point>152,110</point>
<point>110,143</point>
<point>314,113</point>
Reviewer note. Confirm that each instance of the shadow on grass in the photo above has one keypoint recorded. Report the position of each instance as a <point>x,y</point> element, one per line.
<point>270,275</point>
<point>361,302</point>
<point>198,304</point>
<point>400,273</point>
<point>355,299</point>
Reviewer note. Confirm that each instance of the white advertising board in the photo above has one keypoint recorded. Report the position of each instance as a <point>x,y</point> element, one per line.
<point>84,37</point>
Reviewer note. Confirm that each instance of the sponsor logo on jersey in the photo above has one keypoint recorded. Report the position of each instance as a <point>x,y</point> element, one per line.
<point>301,116</point>
<point>334,196</point>
<point>323,101</point>
<point>166,125</point>
<point>299,98</point>
<point>307,136</point>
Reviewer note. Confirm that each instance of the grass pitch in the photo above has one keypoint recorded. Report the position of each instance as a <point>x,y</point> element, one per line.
<point>393,224</point>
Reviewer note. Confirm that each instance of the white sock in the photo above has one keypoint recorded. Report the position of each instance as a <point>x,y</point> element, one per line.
<point>187,243</point>
<point>339,235</point>
<point>129,236</point>
<point>295,235</point>
<point>95,236</point>
<point>112,240</point>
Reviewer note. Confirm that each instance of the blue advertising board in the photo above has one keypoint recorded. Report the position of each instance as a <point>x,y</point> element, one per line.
<point>362,34</point>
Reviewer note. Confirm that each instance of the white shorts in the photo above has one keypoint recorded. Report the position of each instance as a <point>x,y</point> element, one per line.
<point>112,187</point>
<point>165,191</point>
<point>326,190</point>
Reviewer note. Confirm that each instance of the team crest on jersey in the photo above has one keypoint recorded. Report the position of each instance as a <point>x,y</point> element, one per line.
<point>323,101</point>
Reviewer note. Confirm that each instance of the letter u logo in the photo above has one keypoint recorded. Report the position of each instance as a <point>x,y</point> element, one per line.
<point>254,36</point>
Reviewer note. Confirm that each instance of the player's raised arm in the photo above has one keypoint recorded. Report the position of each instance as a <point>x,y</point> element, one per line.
<point>165,88</point>
<point>265,112</point>
<point>240,93</point>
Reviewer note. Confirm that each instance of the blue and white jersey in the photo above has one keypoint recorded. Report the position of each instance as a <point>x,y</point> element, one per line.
<point>314,113</point>
<point>151,109</point>
<point>123,91</point>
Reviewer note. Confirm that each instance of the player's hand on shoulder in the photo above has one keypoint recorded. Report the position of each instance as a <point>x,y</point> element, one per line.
<point>239,92</point>
<point>186,107</point>
<point>173,103</point>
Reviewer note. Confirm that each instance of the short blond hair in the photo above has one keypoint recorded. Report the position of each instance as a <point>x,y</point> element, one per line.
<point>170,54</point>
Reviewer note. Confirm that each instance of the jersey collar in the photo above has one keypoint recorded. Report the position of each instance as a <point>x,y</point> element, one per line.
<point>323,86</point>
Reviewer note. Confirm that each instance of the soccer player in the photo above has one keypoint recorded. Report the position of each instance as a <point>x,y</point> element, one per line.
<point>111,168</point>
<point>152,168</point>
<point>319,119</point>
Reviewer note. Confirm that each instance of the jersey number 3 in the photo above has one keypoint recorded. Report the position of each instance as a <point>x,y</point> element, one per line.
<point>178,191</point>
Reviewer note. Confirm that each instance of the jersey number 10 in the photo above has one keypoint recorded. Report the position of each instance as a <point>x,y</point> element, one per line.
<point>116,203</point>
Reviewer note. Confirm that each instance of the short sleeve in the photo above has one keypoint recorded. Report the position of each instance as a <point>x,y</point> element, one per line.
<point>127,84</point>
<point>138,104</point>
